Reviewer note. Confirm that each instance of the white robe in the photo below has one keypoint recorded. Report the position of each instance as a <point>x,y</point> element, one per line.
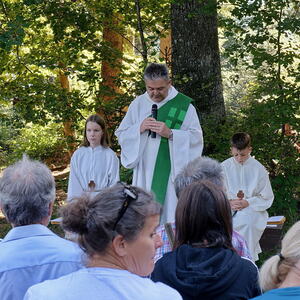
<point>253,179</point>
<point>139,151</point>
<point>98,164</point>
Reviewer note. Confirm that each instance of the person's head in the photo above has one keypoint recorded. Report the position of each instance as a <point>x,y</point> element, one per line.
<point>275,270</point>
<point>119,222</point>
<point>157,81</point>
<point>201,168</point>
<point>240,144</point>
<point>95,132</point>
<point>27,193</point>
<point>203,216</point>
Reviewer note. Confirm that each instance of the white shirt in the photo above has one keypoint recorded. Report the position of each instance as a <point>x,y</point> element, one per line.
<point>101,283</point>
<point>139,151</point>
<point>98,164</point>
<point>252,178</point>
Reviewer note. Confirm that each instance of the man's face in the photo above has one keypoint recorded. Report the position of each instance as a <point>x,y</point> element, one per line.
<point>241,155</point>
<point>158,89</point>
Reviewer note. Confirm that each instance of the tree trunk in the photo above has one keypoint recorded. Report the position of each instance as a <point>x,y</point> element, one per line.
<point>111,67</point>
<point>165,45</point>
<point>195,56</point>
<point>68,129</point>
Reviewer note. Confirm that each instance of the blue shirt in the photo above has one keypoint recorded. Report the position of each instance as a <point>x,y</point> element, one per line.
<point>31,254</point>
<point>281,294</point>
<point>101,283</point>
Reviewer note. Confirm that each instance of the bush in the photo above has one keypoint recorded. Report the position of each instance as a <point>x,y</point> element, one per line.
<point>38,142</point>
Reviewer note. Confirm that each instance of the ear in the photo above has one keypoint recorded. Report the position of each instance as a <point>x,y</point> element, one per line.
<point>50,208</point>
<point>1,211</point>
<point>250,150</point>
<point>119,245</point>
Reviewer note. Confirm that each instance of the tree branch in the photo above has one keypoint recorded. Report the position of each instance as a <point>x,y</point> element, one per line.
<point>140,28</point>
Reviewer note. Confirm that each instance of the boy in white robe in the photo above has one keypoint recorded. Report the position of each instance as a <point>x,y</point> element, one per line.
<point>140,150</point>
<point>249,191</point>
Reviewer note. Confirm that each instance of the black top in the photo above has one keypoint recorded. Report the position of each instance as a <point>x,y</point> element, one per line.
<point>208,273</point>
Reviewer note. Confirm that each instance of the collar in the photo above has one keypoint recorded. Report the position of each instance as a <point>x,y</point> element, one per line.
<point>245,163</point>
<point>171,94</point>
<point>21,232</point>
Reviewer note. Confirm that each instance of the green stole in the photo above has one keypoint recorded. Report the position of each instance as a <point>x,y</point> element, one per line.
<point>172,114</point>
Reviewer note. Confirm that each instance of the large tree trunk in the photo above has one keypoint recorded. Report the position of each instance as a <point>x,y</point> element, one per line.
<point>165,45</point>
<point>68,129</point>
<point>111,67</point>
<point>195,55</point>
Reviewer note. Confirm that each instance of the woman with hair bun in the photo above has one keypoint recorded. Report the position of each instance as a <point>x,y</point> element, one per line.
<point>280,274</point>
<point>116,229</point>
<point>94,165</point>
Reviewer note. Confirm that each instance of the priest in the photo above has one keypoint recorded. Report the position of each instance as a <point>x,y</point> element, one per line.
<point>157,145</point>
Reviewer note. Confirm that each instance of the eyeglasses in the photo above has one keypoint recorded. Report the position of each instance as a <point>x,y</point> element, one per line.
<point>129,194</point>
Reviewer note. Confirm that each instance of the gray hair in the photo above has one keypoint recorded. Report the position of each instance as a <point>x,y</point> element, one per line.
<point>201,168</point>
<point>26,190</point>
<point>156,71</point>
<point>95,220</point>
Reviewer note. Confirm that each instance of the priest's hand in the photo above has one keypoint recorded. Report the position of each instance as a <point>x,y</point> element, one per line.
<point>238,204</point>
<point>160,128</point>
<point>146,124</point>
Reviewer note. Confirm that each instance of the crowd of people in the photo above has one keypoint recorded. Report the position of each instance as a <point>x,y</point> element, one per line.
<point>187,228</point>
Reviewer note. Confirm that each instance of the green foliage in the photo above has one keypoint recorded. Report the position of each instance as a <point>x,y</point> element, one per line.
<point>126,175</point>
<point>41,41</point>
<point>39,142</point>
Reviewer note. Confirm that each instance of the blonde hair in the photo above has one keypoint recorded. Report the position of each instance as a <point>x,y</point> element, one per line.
<point>275,269</point>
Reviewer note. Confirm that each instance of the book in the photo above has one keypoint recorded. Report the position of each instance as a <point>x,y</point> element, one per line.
<point>56,221</point>
<point>276,220</point>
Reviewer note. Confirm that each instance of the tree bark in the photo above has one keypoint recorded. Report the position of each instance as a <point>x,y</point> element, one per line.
<point>68,129</point>
<point>165,46</point>
<point>195,62</point>
<point>111,67</point>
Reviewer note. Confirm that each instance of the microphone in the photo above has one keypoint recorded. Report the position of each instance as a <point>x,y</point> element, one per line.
<point>154,115</point>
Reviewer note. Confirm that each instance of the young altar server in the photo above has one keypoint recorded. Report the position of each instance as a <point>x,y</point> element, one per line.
<point>94,165</point>
<point>249,190</point>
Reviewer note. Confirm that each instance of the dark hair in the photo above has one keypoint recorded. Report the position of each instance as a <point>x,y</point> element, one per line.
<point>105,142</point>
<point>240,140</point>
<point>156,71</point>
<point>203,217</point>
<point>97,221</point>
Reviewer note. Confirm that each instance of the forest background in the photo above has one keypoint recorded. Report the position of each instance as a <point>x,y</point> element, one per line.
<point>62,60</point>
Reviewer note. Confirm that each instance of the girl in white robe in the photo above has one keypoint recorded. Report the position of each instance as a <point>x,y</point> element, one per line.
<point>94,165</point>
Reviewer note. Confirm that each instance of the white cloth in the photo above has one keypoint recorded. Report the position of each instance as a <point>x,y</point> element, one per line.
<point>139,151</point>
<point>32,254</point>
<point>98,164</point>
<point>101,283</point>
<point>253,179</point>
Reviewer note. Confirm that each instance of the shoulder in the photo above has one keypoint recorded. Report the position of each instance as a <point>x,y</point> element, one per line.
<point>137,102</point>
<point>110,153</point>
<point>254,163</point>
<point>80,151</point>
<point>67,250</point>
<point>185,97</point>
<point>158,290</point>
<point>166,292</point>
<point>250,267</point>
<point>54,288</point>
<point>227,162</point>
